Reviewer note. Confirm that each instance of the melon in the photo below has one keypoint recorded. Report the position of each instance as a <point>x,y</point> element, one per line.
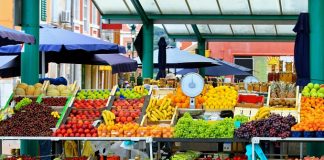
<point>61,87</point>
<point>52,86</point>
<point>38,85</point>
<point>30,90</point>
<point>65,92</point>
<point>38,91</point>
<point>20,92</point>
<point>22,85</point>
<point>53,92</point>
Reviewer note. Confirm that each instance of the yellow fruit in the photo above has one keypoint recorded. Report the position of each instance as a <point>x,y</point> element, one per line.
<point>20,92</point>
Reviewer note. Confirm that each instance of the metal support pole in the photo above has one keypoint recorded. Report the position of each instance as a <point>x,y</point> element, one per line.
<point>0,146</point>
<point>201,51</point>
<point>316,16</point>
<point>43,64</point>
<point>316,19</point>
<point>147,69</point>
<point>30,60</point>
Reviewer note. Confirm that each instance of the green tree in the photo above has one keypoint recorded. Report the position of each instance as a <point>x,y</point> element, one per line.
<point>159,32</point>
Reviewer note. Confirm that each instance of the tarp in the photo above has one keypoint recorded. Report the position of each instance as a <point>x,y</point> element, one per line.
<point>52,39</point>
<point>302,51</point>
<point>176,58</point>
<point>119,63</point>
<point>10,36</point>
<point>226,68</point>
<point>10,66</point>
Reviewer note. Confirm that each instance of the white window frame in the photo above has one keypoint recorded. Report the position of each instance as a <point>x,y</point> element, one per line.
<point>76,10</point>
<point>94,14</point>
<point>86,16</point>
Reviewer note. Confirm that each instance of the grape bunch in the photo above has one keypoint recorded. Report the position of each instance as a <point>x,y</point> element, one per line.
<point>189,128</point>
<point>22,103</point>
<point>274,126</point>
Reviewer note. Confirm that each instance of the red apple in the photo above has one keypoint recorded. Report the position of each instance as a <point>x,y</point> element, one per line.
<point>77,134</point>
<point>94,135</point>
<point>88,135</point>
<point>123,119</point>
<point>80,130</point>
<point>82,135</point>
<point>71,135</point>
<point>129,119</point>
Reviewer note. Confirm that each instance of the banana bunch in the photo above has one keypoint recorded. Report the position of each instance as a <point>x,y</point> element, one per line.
<point>108,117</point>
<point>263,112</point>
<point>87,149</point>
<point>6,113</point>
<point>159,109</point>
<point>55,114</point>
<point>139,89</point>
<point>70,149</point>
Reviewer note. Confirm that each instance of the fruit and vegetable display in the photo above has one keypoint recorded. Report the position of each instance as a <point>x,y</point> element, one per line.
<point>311,112</point>
<point>134,93</point>
<point>313,90</point>
<point>23,89</point>
<point>60,90</point>
<point>56,114</point>
<point>93,94</point>
<point>187,127</point>
<point>90,104</point>
<point>222,97</point>
<point>282,90</point>
<point>160,109</point>
<point>127,110</point>
<point>31,120</point>
<point>54,101</point>
<point>76,128</point>
<point>274,126</point>
<point>263,112</point>
<point>282,103</point>
<point>134,130</point>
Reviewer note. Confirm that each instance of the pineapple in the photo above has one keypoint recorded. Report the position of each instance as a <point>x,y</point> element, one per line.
<point>291,90</point>
<point>273,90</point>
<point>283,90</point>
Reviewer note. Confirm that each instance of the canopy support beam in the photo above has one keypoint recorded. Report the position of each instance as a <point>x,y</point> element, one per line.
<point>147,61</point>
<point>201,46</point>
<point>30,61</point>
<point>140,11</point>
<point>316,16</point>
<point>204,19</point>
<point>235,38</point>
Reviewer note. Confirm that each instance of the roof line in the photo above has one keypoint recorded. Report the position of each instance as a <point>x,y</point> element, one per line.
<point>235,38</point>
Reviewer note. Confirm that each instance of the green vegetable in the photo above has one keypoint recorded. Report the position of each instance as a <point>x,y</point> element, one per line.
<point>241,118</point>
<point>22,103</point>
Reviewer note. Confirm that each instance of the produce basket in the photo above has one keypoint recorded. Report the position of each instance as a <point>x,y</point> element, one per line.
<point>250,101</point>
<point>161,92</point>
<point>73,87</point>
<point>146,122</point>
<point>279,97</point>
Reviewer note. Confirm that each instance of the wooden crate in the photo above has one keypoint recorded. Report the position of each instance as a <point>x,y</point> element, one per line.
<point>297,98</point>
<point>249,112</point>
<point>146,122</point>
<point>162,92</point>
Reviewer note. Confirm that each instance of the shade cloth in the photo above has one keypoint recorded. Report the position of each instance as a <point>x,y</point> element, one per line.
<point>176,58</point>
<point>10,36</point>
<point>302,51</point>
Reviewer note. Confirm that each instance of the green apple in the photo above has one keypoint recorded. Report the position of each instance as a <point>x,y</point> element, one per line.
<point>313,90</point>
<point>310,85</point>
<point>316,86</point>
<point>320,95</point>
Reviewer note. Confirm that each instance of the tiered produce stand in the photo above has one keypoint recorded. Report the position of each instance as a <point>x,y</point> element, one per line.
<point>161,115</point>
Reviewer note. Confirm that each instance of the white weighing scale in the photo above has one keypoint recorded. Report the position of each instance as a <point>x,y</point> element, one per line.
<point>192,84</point>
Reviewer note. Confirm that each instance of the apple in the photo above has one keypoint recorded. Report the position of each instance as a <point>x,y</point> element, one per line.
<point>80,130</point>
<point>129,119</point>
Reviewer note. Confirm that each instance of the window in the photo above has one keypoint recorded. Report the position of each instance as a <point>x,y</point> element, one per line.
<point>76,11</point>
<point>94,14</point>
<point>86,16</point>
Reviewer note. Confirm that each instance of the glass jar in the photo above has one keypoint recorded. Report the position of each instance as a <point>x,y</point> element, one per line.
<point>289,66</point>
